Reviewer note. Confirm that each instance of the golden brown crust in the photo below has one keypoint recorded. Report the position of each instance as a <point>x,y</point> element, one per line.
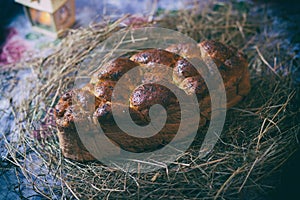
<point>103,89</point>
<point>232,66</point>
<point>75,151</point>
<point>217,50</point>
<point>230,62</point>
<point>182,70</point>
<point>73,106</point>
<point>194,85</point>
<point>157,56</point>
<point>114,70</point>
<point>185,50</point>
<point>103,112</point>
<point>64,102</point>
<point>144,96</point>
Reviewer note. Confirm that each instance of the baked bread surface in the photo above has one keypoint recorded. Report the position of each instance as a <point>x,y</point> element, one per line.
<point>75,105</point>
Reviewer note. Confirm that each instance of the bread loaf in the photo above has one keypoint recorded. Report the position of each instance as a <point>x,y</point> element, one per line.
<point>231,64</point>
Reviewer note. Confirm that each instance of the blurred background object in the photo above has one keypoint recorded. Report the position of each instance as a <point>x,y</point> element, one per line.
<point>50,17</point>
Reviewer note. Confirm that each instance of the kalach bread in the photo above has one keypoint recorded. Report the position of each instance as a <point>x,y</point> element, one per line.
<point>231,64</point>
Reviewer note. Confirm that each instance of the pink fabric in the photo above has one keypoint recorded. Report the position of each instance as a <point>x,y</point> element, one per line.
<point>13,49</point>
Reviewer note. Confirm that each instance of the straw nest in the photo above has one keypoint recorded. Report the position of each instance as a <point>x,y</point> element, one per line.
<point>259,134</point>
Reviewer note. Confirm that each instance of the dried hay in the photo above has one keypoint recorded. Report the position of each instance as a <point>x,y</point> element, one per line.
<point>260,134</point>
